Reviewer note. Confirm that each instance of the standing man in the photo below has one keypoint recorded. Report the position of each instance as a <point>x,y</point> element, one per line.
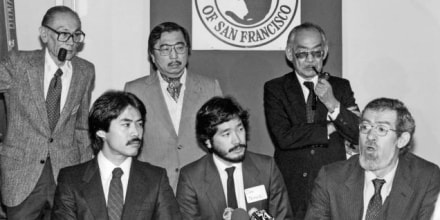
<point>47,96</point>
<point>385,181</point>
<point>230,176</point>
<point>114,185</point>
<point>172,96</point>
<point>308,116</point>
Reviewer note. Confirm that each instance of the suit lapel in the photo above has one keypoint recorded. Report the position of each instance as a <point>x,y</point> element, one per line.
<point>252,178</point>
<point>190,98</point>
<point>36,80</point>
<point>211,187</point>
<point>93,192</point>
<point>352,196</point>
<point>136,191</point>
<point>401,192</point>
<point>295,96</point>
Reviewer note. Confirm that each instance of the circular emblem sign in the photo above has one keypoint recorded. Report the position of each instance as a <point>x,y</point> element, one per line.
<point>246,23</point>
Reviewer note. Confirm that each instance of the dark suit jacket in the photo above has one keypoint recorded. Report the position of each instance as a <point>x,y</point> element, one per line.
<point>200,193</point>
<point>162,146</point>
<point>79,194</point>
<point>29,139</point>
<point>339,187</point>
<point>301,149</point>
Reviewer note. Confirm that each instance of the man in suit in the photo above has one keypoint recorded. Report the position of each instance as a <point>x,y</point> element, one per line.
<point>207,190</point>
<point>308,126</point>
<point>172,96</point>
<point>114,185</point>
<point>385,181</point>
<point>47,96</point>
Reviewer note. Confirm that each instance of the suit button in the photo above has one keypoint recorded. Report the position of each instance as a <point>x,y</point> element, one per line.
<point>179,146</point>
<point>177,170</point>
<point>305,174</point>
<point>42,161</point>
<point>50,140</point>
<point>312,152</point>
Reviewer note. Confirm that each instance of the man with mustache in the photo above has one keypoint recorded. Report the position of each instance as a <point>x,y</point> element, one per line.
<point>309,116</point>
<point>230,177</point>
<point>385,181</point>
<point>115,185</point>
<point>47,95</point>
<point>172,95</point>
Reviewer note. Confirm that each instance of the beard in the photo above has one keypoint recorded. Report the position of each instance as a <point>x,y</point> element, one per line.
<point>225,155</point>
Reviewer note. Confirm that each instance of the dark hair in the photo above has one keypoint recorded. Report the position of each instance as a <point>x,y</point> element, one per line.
<point>50,14</point>
<point>307,26</point>
<point>156,33</point>
<point>216,111</point>
<point>107,108</point>
<point>405,122</point>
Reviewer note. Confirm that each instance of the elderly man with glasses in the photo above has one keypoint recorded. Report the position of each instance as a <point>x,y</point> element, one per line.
<point>47,98</point>
<point>172,96</point>
<point>310,115</point>
<point>385,181</point>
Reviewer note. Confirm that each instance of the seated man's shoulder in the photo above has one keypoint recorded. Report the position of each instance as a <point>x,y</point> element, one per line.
<point>72,173</point>
<point>341,168</point>
<point>419,165</point>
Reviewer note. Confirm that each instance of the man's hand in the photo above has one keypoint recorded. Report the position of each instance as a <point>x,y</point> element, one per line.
<point>324,91</point>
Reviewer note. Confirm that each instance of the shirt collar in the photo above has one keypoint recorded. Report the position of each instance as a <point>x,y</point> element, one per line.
<point>52,67</point>
<point>389,177</point>
<point>106,167</point>
<point>182,78</point>
<point>222,164</point>
<point>302,80</point>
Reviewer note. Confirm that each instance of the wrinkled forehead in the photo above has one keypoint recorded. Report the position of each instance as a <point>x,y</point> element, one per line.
<point>380,116</point>
<point>65,20</point>
<point>307,39</point>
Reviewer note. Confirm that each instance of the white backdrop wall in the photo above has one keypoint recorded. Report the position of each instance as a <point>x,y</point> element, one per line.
<point>392,49</point>
<point>116,36</point>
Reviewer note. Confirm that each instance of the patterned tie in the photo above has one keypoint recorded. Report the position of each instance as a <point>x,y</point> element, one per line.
<point>53,99</point>
<point>375,203</point>
<point>232,199</point>
<point>115,196</point>
<point>310,107</point>
<point>174,86</point>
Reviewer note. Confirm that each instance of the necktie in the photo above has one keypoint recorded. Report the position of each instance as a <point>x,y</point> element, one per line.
<point>232,199</point>
<point>375,203</point>
<point>53,99</point>
<point>310,107</point>
<point>174,86</point>
<point>115,196</point>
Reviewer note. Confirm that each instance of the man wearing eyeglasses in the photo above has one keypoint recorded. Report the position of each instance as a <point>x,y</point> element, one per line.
<point>47,97</point>
<point>309,114</point>
<point>385,181</point>
<point>172,96</point>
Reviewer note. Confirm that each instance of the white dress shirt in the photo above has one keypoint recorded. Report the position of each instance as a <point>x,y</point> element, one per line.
<point>106,168</point>
<point>174,108</point>
<point>49,71</point>
<point>238,179</point>
<point>369,187</point>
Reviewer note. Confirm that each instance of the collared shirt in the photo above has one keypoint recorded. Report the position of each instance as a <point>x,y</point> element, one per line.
<point>369,187</point>
<point>49,71</point>
<point>106,168</point>
<point>238,179</point>
<point>330,116</point>
<point>174,108</point>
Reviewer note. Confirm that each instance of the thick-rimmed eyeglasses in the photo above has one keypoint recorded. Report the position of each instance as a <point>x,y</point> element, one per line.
<point>165,49</point>
<point>77,36</point>
<point>379,129</point>
<point>315,54</point>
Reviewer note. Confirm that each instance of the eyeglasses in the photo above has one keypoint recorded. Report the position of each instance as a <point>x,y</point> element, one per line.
<point>380,129</point>
<point>315,54</point>
<point>165,49</point>
<point>77,36</point>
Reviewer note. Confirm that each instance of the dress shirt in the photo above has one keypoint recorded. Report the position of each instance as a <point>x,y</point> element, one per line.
<point>369,187</point>
<point>49,70</point>
<point>106,168</point>
<point>174,108</point>
<point>238,179</point>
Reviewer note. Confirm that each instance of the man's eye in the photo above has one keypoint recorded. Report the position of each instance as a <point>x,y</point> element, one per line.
<point>381,128</point>
<point>164,48</point>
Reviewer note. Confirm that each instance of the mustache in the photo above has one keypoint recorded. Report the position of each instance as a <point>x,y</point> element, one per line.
<point>175,63</point>
<point>237,147</point>
<point>134,141</point>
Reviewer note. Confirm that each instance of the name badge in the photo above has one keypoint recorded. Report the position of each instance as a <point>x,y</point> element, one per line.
<point>255,194</point>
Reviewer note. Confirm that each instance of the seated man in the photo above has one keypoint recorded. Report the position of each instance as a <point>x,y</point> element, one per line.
<point>114,185</point>
<point>230,177</point>
<point>385,181</point>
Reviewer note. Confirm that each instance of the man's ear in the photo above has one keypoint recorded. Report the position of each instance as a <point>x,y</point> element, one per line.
<point>101,133</point>
<point>289,53</point>
<point>153,59</point>
<point>403,140</point>
<point>43,34</point>
<point>208,144</point>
